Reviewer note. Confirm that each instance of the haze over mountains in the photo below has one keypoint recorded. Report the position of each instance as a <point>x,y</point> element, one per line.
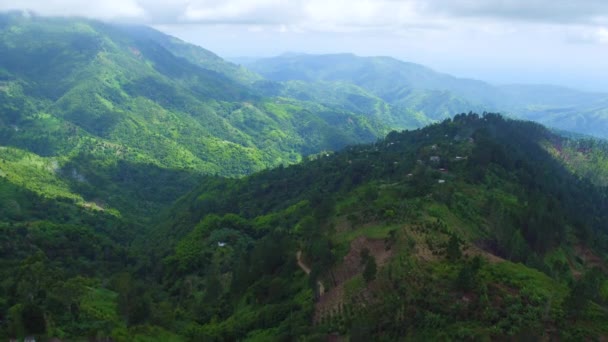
<point>152,191</point>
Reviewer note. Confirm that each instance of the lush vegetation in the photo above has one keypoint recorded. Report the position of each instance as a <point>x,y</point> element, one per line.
<point>468,229</point>
<point>127,119</point>
<point>75,86</point>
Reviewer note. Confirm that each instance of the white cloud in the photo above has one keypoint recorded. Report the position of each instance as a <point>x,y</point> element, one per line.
<point>393,16</point>
<point>325,13</point>
<point>235,11</point>
<point>462,36</point>
<point>588,35</point>
<point>107,9</point>
<point>602,35</point>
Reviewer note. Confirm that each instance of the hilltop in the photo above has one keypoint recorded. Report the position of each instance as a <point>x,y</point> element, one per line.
<point>466,229</point>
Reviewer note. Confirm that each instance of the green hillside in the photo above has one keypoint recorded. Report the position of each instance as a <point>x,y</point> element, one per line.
<point>112,113</point>
<point>384,76</point>
<point>468,229</point>
<point>89,84</point>
<point>411,95</point>
<point>102,127</point>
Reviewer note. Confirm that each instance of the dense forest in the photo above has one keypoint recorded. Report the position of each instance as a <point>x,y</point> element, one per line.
<point>467,229</point>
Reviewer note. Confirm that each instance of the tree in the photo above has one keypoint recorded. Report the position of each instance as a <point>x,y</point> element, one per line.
<point>453,249</point>
<point>33,320</point>
<point>369,273</point>
<point>586,289</point>
<point>518,247</point>
<point>308,227</point>
<point>133,302</point>
<point>364,254</point>
<point>467,277</point>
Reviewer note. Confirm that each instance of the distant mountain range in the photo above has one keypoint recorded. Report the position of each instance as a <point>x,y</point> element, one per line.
<point>426,95</point>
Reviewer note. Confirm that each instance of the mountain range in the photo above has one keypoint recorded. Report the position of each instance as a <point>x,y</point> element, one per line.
<point>417,95</point>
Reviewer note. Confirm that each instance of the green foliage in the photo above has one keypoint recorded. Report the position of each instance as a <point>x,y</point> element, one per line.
<point>453,250</point>
<point>491,198</point>
<point>134,95</point>
<point>369,272</point>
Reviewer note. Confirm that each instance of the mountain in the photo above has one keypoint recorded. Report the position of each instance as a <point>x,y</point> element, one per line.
<point>194,54</point>
<point>383,76</point>
<point>97,106</point>
<point>122,86</point>
<point>476,228</point>
<point>435,96</point>
<point>413,94</point>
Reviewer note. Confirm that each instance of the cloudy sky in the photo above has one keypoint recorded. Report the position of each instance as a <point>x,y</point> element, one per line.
<point>502,41</point>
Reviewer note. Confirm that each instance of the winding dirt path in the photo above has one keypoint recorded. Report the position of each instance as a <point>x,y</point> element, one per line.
<point>306,270</point>
<point>301,263</point>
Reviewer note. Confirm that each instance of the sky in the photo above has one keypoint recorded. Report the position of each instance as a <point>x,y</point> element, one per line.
<point>563,42</point>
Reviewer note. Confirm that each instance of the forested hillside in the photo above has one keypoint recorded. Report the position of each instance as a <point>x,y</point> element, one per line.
<point>70,86</point>
<point>468,229</point>
<point>127,119</point>
<point>465,229</point>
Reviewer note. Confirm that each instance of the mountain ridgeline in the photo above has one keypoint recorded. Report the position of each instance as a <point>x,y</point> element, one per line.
<point>150,190</point>
<point>412,94</point>
<point>153,98</point>
<point>87,106</point>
